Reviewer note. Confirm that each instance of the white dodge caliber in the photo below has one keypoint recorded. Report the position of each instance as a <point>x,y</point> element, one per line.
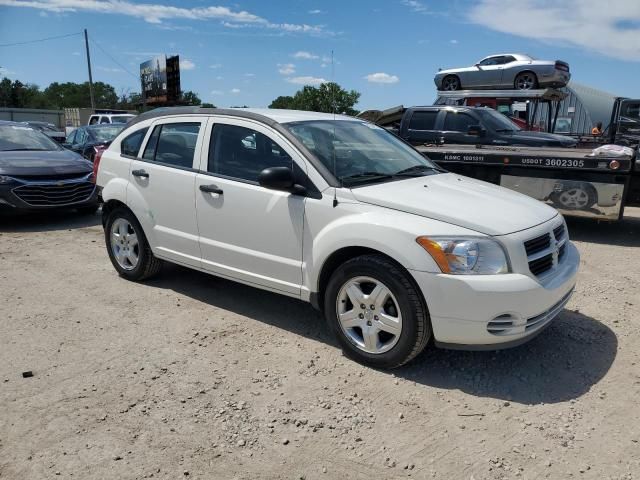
<point>340,213</point>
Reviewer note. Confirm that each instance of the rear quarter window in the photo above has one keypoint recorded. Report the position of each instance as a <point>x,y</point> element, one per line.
<point>130,146</point>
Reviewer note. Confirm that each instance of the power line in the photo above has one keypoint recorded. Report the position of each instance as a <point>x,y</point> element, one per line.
<point>112,59</point>
<point>39,40</point>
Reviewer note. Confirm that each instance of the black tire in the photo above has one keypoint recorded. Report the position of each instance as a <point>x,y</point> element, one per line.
<point>88,209</point>
<point>451,83</point>
<point>580,196</point>
<point>148,265</point>
<point>416,325</point>
<point>521,77</point>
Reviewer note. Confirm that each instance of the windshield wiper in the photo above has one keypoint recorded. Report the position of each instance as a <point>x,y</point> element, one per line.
<point>366,176</point>
<point>415,171</point>
<point>25,150</point>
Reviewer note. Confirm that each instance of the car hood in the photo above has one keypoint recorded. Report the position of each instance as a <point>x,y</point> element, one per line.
<point>462,201</point>
<point>543,138</point>
<point>50,162</point>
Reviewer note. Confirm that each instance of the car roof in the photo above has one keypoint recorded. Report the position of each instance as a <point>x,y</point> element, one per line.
<point>518,56</point>
<point>16,124</point>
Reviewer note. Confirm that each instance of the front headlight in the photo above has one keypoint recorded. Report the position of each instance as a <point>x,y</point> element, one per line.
<point>466,256</point>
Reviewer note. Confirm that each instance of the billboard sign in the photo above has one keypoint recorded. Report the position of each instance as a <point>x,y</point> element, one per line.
<point>153,76</point>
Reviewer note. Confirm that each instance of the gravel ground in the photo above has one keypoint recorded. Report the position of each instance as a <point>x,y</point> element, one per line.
<point>191,376</point>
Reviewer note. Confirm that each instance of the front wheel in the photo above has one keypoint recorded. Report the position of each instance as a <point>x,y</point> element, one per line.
<point>128,248</point>
<point>376,312</point>
<point>450,83</point>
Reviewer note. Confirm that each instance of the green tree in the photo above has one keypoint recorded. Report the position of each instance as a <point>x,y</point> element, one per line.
<point>20,95</point>
<point>190,98</point>
<point>207,105</point>
<point>328,97</point>
<point>70,94</point>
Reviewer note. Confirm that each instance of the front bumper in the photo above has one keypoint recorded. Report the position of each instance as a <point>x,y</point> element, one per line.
<point>489,312</point>
<point>24,195</point>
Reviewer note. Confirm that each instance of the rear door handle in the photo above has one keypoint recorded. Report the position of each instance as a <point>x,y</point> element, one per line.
<point>140,173</point>
<point>211,189</point>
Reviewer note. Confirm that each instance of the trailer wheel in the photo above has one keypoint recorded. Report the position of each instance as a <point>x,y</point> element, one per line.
<point>580,196</point>
<point>450,83</point>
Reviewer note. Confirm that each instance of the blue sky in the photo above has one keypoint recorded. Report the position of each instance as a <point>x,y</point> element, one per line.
<point>249,52</point>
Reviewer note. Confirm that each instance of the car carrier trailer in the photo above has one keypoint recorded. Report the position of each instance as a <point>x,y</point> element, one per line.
<point>572,180</point>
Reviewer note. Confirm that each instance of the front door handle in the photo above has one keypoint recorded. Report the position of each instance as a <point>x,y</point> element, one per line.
<point>140,173</point>
<point>211,189</point>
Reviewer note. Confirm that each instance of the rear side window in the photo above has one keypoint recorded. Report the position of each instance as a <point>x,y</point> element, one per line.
<point>243,153</point>
<point>105,120</point>
<point>130,146</point>
<point>173,144</point>
<point>631,110</point>
<point>93,120</point>
<point>458,122</point>
<point>423,120</point>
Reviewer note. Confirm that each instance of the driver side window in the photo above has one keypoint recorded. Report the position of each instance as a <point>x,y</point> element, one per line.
<point>243,153</point>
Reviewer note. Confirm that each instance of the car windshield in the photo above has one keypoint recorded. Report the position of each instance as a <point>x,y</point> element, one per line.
<point>106,134</point>
<point>120,118</point>
<point>16,138</point>
<point>497,121</point>
<point>358,152</point>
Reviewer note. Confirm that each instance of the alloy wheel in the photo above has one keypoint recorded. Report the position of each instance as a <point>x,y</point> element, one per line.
<point>574,198</point>
<point>369,314</point>
<point>124,244</point>
<point>525,81</point>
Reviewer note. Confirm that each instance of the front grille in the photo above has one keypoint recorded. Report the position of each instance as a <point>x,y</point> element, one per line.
<point>537,244</point>
<point>541,265</point>
<point>52,194</point>
<point>561,251</point>
<point>549,315</point>
<point>559,232</point>
<point>501,325</point>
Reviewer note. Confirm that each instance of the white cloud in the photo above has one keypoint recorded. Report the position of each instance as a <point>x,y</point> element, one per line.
<point>249,74</point>
<point>453,42</point>
<point>44,14</point>
<point>219,77</point>
<point>77,54</point>
<point>611,28</point>
<point>235,90</point>
<point>5,72</point>
<point>186,64</point>
<point>286,68</point>
<point>215,65</point>
<point>306,80</point>
<point>382,77</point>
<point>415,6</point>
<point>217,92</point>
<point>315,12</point>
<point>157,13</point>
<point>305,55</point>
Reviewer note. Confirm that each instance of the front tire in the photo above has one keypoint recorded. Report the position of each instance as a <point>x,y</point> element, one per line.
<point>128,248</point>
<point>376,312</point>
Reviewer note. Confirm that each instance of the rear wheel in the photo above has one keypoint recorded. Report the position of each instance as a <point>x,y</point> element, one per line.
<point>450,83</point>
<point>526,81</point>
<point>128,248</point>
<point>376,312</point>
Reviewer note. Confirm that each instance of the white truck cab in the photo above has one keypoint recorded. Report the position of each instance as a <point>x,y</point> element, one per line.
<point>102,118</point>
<point>338,212</point>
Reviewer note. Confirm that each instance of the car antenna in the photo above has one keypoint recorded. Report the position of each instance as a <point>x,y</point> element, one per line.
<point>333,109</point>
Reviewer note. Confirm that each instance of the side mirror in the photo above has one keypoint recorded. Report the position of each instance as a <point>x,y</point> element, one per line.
<point>476,131</point>
<point>280,178</point>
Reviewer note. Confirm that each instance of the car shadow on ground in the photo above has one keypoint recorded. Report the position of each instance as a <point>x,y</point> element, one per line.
<point>625,233</point>
<point>562,363</point>
<point>47,221</point>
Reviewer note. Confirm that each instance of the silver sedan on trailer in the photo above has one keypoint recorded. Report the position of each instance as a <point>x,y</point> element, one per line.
<point>511,70</point>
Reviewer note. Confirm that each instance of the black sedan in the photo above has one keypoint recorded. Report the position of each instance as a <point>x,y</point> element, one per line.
<point>36,173</point>
<point>87,141</point>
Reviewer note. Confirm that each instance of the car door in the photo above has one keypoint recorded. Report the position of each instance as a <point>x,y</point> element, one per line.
<point>161,188</point>
<point>79,140</point>
<point>489,72</point>
<point>247,232</point>
<point>456,127</point>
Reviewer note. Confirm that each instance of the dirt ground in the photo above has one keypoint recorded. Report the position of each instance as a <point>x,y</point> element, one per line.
<point>191,376</point>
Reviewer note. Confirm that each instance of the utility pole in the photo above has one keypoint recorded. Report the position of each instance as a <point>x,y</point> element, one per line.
<point>86,44</point>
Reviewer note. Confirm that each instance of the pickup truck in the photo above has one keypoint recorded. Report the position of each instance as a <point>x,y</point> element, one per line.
<point>471,126</point>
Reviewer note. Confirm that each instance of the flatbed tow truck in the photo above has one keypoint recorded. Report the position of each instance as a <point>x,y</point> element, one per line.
<point>573,180</point>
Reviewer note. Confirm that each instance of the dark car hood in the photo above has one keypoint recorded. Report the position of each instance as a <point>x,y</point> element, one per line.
<point>50,162</point>
<point>541,138</point>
